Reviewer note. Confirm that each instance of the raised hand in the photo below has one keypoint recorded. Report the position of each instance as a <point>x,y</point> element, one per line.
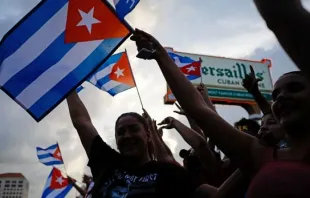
<point>146,41</point>
<point>181,111</point>
<point>250,82</point>
<point>201,88</point>
<point>154,125</point>
<point>168,123</point>
<point>148,118</point>
<point>71,180</point>
<point>160,131</point>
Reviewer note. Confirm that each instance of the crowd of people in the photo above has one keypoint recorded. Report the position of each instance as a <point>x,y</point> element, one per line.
<point>267,160</point>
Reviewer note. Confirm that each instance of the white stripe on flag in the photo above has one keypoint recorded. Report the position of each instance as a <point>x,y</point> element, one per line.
<point>101,74</point>
<point>48,159</point>
<point>115,2</point>
<point>93,80</point>
<point>110,85</point>
<point>106,71</point>
<point>34,46</point>
<point>57,72</point>
<point>55,192</point>
<point>48,183</point>
<point>43,152</point>
<point>178,62</point>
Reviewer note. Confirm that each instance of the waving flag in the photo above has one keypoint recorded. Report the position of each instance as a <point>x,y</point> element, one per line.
<point>50,156</point>
<point>115,75</point>
<point>55,48</point>
<point>190,67</point>
<point>123,7</point>
<point>56,185</point>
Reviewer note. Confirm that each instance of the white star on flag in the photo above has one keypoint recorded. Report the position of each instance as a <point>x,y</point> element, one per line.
<point>191,68</point>
<point>119,72</point>
<point>58,154</point>
<point>59,180</point>
<point>88,19</point>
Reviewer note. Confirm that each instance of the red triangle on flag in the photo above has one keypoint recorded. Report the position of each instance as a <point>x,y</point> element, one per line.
<point>192,68</point>
<point>92,20</point>
<point>57,180</point>
<point>121,71</point>
<point>57,154</point>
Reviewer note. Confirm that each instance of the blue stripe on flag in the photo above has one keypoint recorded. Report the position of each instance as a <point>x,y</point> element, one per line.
<point>30,73</point>
<point>183,59</point>
<point>65,85</point>
<point>113,59</point>
<point>102,81</point>
<point>123,7</point>
<point>80,88</point>
<point>118,89</point>
<point>26,29</point>
<point>64,192</point>
<point>48,148</point>
<point>45,156</point>
<point>51,163</point>
<point>46,192</point>
<point>192,77</point>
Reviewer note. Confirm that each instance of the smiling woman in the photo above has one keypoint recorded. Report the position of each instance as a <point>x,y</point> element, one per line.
<point>291,108</point>
<point>132,137</point>
<point>132,172</point>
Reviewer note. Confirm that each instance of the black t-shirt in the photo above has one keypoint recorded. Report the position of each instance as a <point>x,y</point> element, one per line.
<point>153,180</point>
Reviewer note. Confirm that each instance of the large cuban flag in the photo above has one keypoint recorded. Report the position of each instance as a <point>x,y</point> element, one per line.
<point>56,47</point>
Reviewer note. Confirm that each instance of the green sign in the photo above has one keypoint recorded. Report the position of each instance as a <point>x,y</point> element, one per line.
<point>240,95</point>
<point>223,76</point>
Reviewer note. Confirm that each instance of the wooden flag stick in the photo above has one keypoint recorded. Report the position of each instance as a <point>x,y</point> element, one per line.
<point>134,80</point>
<point>200,60</point>
<point>62,159</point>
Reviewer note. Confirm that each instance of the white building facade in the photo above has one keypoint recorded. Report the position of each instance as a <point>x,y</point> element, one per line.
<point>13,185</point>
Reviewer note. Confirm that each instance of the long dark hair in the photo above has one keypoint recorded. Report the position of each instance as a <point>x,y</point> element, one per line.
<point>306,159</point>
<point>109,171</point>
<point>142,120</point>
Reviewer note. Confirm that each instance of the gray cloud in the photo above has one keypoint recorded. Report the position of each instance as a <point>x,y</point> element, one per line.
<point>280,61</point>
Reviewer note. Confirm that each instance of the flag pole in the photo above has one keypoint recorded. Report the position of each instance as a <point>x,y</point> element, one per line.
<point>62,160</point>
<point>200,60</point>
<point>134,80</point>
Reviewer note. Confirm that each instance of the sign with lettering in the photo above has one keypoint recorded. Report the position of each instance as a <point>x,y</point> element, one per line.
<point>223,77</point>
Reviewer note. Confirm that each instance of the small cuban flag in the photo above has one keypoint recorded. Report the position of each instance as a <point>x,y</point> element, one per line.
<point>190,67</point>
<point>115,75</point>
<point>123,7</point>
<point>55,48</point>
<point>56,185</point>
<point>50,156</point>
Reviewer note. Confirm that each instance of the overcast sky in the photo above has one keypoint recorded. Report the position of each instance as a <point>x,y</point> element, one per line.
<point>221,28</point>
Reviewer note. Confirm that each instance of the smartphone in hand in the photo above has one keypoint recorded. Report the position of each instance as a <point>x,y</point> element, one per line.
<point>145,53</point>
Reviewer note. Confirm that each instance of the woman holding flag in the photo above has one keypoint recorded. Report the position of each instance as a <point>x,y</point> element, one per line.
<point>133,165</point>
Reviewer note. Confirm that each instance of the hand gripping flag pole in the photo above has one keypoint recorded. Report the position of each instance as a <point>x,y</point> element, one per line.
<point>134,79</point>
